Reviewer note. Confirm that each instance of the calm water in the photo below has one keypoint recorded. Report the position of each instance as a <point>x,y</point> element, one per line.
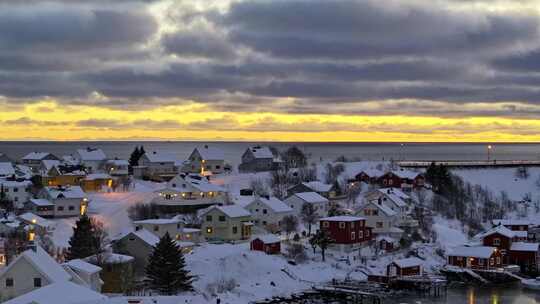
<point>326,151</point>
<point>480,295</point>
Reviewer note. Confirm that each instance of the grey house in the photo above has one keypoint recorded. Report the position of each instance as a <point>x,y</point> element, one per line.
<point>258,159</point>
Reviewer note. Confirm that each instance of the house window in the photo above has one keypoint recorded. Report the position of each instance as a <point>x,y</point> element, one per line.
<point>174,185</point>
<point>208,218</point>
<point>264,223</point>
<point>491,262</point>
<point>15,189</point>
<point>498,259</point>
<point>71,208</point>
<point>156,228</point>
<point>480,262</point>
<point>209,230</point>
<point>222,218</point>
<point>341,225</point>
<point>9,282</point>
<point>218,167</point>
<point>37,282</point>
<point>234,230</point>
<point>60,208</point>
<point>353,235</point>
<point>379,224</point>
<point>265,211</point>
<point>367,233</point>
<point>325,224</point>
<point>352,224</point>
<point>496,241</point>
<point>178,226</point>
<point>360,234</point>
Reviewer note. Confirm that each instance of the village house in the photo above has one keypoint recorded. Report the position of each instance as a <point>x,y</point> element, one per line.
<point>325,190</point>
<point>526,255</point>
<point>386,243</point>
<point>67,201</point>
<point>174,226</point>
<point>383,219</point>
<point>369,176</point>
<point>269,244</point>
<point>116,273</point>
<point>514,225</point>
<point>404,267</point>
<point>41,207</point>
<point>475,257</point>
<point>40,224</point>
<point>157,166</point>
<point>268,212</point>
<point>346,230</point>
<point>297,200</point>
<point>93,159</point>
<point>33,159</point>
<point>55,293</point>
<point>55,173</point>
<point>117,167</point>
<point>206,161</point>
<point>187,193</point>
<point>6,170</point>
<point>16,191</point>
<point>258,159</point>
<point>403,179</point>
<point>98,182</point>
<point>89,273</point>
<point>33,269</point>
<point>397,201</point>
<point>226,223</point>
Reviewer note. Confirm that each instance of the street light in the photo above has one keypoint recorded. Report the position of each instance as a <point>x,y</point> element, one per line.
<point>489,147</point>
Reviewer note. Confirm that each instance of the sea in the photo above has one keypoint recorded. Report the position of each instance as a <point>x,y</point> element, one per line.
<point>317,151</point>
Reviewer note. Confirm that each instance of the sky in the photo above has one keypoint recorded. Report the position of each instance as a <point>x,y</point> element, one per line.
<point>270,70</point>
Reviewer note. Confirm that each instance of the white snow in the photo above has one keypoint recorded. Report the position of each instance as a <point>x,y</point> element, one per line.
<point>59,293</point>
<point>91,154</point>
<point>482,252</point>
<point>342,218</point>
<point>211,153</point>
<point>6,169</point>
<point>408,262</point>
<point>83,266</point>
<point>522,246</point>
<point>231,210</point>
<point>68,192</point>
<point>311,197</point>
<point>449,232</point>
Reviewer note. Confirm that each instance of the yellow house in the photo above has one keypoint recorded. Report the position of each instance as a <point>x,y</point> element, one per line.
<point>226,223</point>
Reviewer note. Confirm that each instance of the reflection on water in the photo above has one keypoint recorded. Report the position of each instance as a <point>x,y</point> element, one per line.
<point>508,294</point>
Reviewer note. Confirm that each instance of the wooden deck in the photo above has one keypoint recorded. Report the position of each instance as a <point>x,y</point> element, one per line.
<point>471,164</point>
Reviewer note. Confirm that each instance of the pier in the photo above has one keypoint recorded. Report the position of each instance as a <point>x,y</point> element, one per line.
<point>457,164</point>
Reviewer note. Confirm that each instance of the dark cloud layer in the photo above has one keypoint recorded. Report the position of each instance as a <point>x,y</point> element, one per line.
<point>245,57</point>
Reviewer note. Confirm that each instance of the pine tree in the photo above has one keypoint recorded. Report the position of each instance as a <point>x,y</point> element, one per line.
<point>82,243</point>
<point>135,157</point>
<point>166,271</point>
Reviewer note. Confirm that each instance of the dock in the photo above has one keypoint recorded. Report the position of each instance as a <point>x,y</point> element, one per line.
<point>459,164</point>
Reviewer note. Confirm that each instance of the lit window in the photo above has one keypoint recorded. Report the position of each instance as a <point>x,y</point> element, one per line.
<point>342,225</point>
<point>326,224</point>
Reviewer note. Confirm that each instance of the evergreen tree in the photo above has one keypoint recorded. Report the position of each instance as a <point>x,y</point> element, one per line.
<point>166,271</point>
<point>82,243</point>
<point>135,157</point>
<point>321,239</point>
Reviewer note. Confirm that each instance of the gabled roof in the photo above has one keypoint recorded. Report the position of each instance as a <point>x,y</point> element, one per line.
<point>386,210</point>
<point>36,155</point>
<point>372,172</point>
<point>406,173</point>
<point>395,196</point>
<point>342,218</point>
<point>59,293</point>
<point>318,186</point>
<point>482,252</point>
<point>29,217</point>
<point>91,154</point>
<point>194,180</point>
<point>500,230</point>
<point>268,238</point>
<point>230,210</point>
<point>41,202</point>
<point>160,157</point>
<point>273,203</point>
<point>83,266</point>
<point>10,184</point>
<point>311,197</point>
<point>7,169</point>
<point>48,164</point>
<point>146,236</point>
<point>408,262</point>
<point>43,263</point>
<point>67,192</point>
<point>159,221</point>
<point>522,246</point>
<point>118,162</point>
<point>261,152</point>
<point>210,153</point>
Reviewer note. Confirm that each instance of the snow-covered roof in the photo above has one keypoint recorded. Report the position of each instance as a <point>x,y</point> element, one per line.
<point>318,186</point>
<point>230,210</point>
<point>11,184</point>
<point>118,162</point>
<point>146,236</point>
<point>43,263</point>
<point>408,262</point>
<point>95,176</point>
<point>48,164</point>
<point>41,202</point>
<point>68,192</point>
<point>7,169</point>
<point>385,238</point>
<point>342,218</point>
<point>311,197</point>
<point>395,195</point>
<point>111,258</point>
<point>59,293</point>
<point>261,152</point>
<point>268,238</point>
<point>482,252</point>
<point>160,157</point>
<point>210,153</point>
<point>522,246</point>
<point>500,230</point>
<point>406,173</point>
<point>91,154</point>
<point>385,209</point>
<point>506,222</point>
<point>194,180</point>
<point>36,155</point>
<point>83,266</point>
<point>372,172</point>
<point>159,221</point>
<point>36,219</point>
<point>274,203</point>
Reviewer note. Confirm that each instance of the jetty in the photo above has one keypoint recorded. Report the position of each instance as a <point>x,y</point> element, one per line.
<point>471,164</point>
<point>481,277</point>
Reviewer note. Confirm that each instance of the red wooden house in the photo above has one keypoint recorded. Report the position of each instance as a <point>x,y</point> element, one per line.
<point>369,176</point>
<point>402,179</point>
<point>514,225</point>
<point>526,255</point>
<point>270,244</point>
<point>404,267</point>
<point>346,229</point>
<point>475,257</point>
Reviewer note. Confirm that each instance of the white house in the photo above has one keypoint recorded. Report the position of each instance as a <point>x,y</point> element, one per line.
<point>160,226</point>
<point>226,223</point>
<point>268,211</point>
<point>89,273</point>
<point>187,193</point>
<point>16,191</point>
<point>31,270</point>
<point>68,201</point>
<point>297,200</point>
<point>258,159</point>
<point>64,292</point>
<point>396,200</point>
<point>6,169</point>
<point>93,159</point>
<point>156,165</point>
<point>33,159</point>
<point>117,167</point>
<point>205,160</point>
<point>381,218</point>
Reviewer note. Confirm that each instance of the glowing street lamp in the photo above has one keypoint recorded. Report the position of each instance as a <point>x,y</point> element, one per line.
<point>489,147</point>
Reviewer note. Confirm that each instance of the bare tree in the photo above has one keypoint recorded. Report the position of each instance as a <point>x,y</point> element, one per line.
<point>101,240</point>
<point>289,224</point>
<point>297,252</point>
<point>258,186</point>
<point>309,215</point>
<point>279,182</point>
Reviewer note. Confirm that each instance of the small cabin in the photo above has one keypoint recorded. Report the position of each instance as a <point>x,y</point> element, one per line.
<point>404,267</point>
<point>270,244</point>
<point>475,257</point>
